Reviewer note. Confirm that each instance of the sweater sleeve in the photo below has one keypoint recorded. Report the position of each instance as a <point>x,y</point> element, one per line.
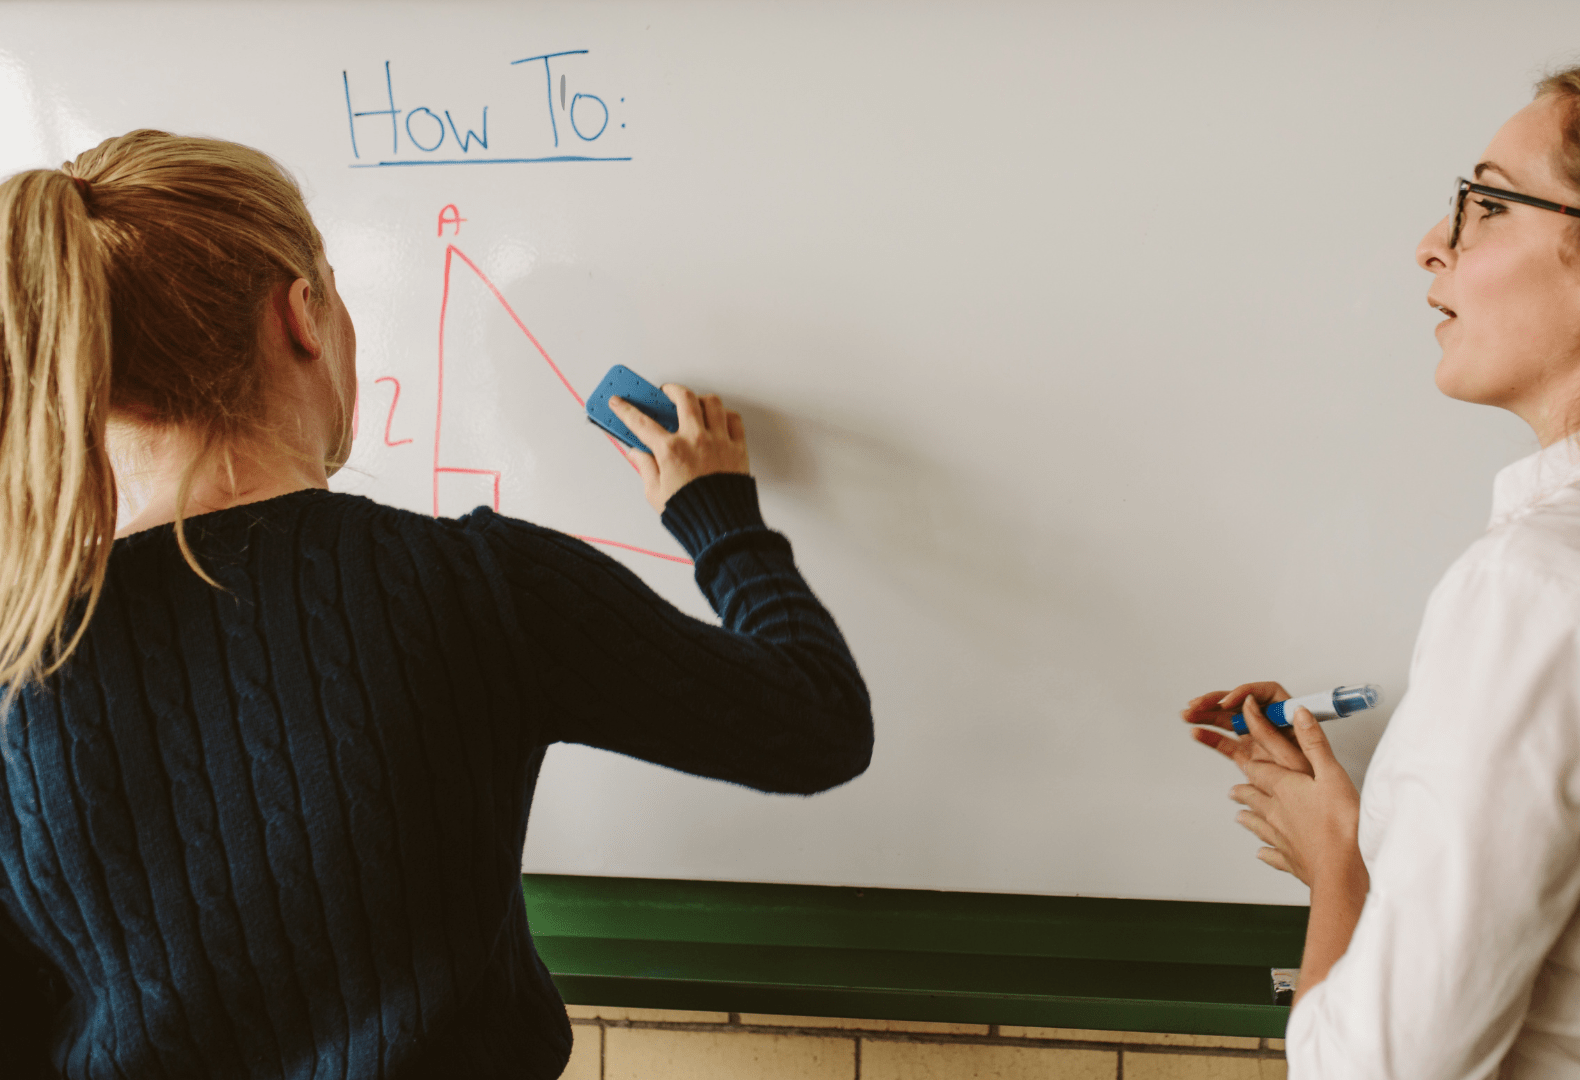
<point>771,699</point>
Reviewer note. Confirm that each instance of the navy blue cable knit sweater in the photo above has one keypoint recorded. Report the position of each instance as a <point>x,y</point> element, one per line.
<point>275,830</point>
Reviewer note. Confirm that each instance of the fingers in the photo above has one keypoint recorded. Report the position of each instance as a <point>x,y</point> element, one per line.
<point>1273,743</point>
<point>1219,708</point>
<point>1241,750</point>
<point>1254,820</point>
<point>1258,826</point>
<point>1226,745</point>
<point>1205,710</point>
<point>1245,751</point>
<point>1314,741</point>
<point>1207,701</point>
<point>643,426</point>
<point>708,439</point>
<point>1275,858</point>
<point>645,465</point>
<point>1253,747</point>
<point>1261,691</point>
<point>1270,776</point>
<point>692,419</point>
<point>1251,797</point>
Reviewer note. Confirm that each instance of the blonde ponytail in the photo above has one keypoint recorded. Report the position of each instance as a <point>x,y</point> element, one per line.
<point>132,283</point>
<point>57,490</point>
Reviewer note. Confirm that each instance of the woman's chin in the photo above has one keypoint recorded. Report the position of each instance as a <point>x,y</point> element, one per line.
<point>1452,381</point>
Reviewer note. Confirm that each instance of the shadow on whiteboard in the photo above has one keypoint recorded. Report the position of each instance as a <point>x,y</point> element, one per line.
<point>958,543</point>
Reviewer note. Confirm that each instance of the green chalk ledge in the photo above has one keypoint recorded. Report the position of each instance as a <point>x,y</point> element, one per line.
<point>910,954</point>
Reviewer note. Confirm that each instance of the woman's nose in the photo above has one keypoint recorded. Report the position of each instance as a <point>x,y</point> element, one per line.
<point>1433,253</point>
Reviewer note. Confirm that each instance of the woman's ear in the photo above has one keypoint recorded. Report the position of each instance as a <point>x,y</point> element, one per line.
<point>296,313</point>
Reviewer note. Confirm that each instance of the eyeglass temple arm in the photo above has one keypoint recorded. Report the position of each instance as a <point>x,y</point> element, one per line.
<point>1528,200</point>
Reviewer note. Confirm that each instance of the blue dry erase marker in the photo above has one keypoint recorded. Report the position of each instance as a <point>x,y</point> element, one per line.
<point>1328,705</point>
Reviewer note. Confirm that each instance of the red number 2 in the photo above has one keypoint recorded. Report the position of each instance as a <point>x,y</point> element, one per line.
<point>390,419</point>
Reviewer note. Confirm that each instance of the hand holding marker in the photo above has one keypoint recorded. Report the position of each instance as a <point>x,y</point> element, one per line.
<point>1327,705</point>
<point>1225,711</point>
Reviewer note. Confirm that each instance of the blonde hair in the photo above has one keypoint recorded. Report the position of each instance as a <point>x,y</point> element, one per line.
<point>132,285</point>
<point>1565,85</point>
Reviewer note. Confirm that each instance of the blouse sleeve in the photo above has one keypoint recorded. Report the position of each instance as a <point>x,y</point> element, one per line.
<point>772,699</point>
<point>1477,872</point>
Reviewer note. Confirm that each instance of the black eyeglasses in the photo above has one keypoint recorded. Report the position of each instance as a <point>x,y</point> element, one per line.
<point>1463,187</point>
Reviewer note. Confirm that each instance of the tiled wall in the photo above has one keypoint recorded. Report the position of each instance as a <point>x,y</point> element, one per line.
<point>654,1044</point>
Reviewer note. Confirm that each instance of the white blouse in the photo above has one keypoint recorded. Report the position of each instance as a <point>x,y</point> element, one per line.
<point>1466,961</point>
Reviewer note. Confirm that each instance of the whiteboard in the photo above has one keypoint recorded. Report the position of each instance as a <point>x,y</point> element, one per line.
<point>1081,349</point>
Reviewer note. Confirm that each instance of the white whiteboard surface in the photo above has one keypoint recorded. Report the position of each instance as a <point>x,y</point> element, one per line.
<point>1081,347</point>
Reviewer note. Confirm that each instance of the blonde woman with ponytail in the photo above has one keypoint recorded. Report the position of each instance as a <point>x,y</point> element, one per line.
<point>269,750</point>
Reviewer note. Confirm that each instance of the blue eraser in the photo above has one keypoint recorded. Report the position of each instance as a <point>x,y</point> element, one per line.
<point>622,382</point>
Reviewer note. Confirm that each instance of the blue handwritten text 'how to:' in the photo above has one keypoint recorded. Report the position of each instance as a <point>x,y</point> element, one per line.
<point>431,134</point>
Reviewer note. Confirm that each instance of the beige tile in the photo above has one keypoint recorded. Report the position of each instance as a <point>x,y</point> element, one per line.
<point>1275,1044</point>
<point>659,1054</point>
<point>647,1016</point>
<point>586,1054</point>
<point>1143,1066</point>
<point>1153,1038</point>
<point>882,1059</point>
<point>916,1027</point>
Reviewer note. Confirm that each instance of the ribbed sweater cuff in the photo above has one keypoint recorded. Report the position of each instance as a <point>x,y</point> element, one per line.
<point>711,507</point>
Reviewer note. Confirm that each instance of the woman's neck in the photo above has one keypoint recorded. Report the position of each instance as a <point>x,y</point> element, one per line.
<point>150,468</point>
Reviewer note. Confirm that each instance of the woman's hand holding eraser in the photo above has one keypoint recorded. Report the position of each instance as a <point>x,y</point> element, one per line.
<point>710,439</point>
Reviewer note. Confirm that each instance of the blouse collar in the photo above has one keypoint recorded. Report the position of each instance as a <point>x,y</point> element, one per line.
<point>1520,487</point>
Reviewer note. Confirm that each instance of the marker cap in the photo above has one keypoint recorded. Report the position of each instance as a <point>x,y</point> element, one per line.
<point>1354,699</point>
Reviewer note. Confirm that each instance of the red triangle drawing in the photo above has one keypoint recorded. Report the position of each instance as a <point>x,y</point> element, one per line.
<point>451,254</point>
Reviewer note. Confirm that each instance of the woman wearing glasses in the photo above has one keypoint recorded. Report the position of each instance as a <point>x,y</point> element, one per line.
<point>1444,939</point>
